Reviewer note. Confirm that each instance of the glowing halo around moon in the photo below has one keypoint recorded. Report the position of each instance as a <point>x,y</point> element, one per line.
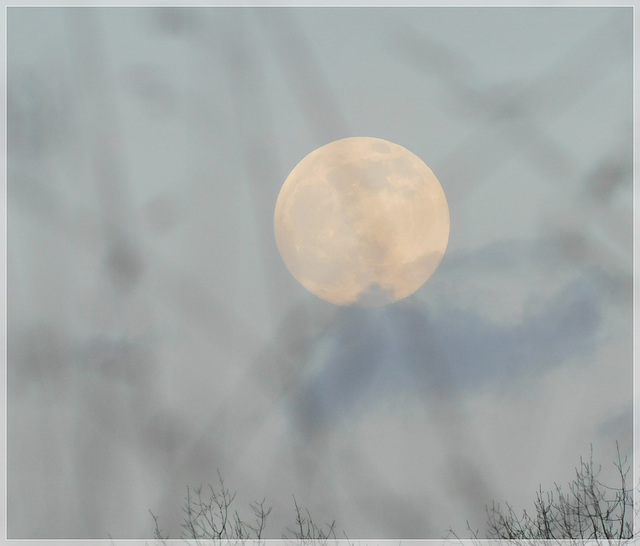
<point>361,221</point>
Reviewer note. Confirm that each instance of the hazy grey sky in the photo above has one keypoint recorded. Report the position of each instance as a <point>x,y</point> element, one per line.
<point>155,337</point>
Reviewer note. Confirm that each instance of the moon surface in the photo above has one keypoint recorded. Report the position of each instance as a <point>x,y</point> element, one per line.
<point>361,221</point>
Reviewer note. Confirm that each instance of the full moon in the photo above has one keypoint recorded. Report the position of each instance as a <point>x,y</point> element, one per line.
<point>361,221</point>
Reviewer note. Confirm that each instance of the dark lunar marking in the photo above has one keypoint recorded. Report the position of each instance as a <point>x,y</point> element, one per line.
<point>402,166</point>
<point>380,147</point>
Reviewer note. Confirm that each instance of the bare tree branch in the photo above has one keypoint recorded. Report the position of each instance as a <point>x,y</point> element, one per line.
<point>589,510</point>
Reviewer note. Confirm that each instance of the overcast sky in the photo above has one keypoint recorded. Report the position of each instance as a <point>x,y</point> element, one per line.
<point>155,336</point>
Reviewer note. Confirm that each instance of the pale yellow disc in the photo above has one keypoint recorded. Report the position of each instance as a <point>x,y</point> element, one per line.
<point>361,221</point>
